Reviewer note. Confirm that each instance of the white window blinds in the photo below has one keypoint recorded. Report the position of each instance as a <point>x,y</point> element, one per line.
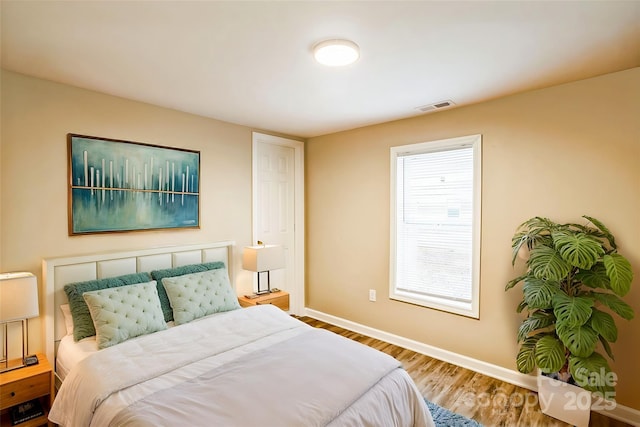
<point>434,225</point>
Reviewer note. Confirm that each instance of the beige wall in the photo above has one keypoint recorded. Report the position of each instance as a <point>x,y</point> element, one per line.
<point>36,117</point>
<point>559,152</point>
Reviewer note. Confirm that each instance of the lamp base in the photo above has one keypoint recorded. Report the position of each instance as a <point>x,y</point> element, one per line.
<point>263,292</point>
<point>10,365</point>
<point>7,364</point>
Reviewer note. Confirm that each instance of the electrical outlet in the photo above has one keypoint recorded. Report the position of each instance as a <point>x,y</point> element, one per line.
<point>372,294</point>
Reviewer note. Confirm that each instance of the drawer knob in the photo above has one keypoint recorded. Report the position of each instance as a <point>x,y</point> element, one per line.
<point>13,394</point>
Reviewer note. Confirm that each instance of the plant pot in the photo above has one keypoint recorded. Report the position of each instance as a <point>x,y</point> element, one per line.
<point>564,401</point>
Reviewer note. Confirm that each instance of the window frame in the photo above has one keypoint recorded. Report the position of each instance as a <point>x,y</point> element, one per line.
<point>465,309</point>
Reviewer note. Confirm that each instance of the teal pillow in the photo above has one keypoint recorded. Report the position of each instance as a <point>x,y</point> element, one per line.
<point>158,275</point>
<point>82,323</point>
<point>199,294</point>
<point>125,312</point>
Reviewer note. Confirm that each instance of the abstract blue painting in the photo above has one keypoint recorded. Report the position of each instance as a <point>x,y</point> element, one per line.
<point>117,186</point>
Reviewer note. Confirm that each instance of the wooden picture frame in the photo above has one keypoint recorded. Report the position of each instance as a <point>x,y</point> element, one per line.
<point>121,186</point>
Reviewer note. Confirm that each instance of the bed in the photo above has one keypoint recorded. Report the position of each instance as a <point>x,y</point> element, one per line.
<point>205,361</point>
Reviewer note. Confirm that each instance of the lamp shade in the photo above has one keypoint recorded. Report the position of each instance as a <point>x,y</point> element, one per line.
<point>18,296</point>
<point>263,258</point>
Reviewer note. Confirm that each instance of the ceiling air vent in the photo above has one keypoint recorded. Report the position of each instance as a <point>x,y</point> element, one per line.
<point>437,106</point>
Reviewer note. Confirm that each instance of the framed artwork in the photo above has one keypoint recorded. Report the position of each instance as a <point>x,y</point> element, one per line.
<point>117,186</point>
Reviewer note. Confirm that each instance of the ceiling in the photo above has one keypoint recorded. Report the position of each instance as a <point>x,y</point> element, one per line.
<point>250,63</point>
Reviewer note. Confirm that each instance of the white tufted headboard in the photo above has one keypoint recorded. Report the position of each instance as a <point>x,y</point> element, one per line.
<point>57,272</point>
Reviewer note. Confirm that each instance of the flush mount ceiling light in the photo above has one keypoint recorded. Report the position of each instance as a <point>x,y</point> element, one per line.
<point>336,53</point>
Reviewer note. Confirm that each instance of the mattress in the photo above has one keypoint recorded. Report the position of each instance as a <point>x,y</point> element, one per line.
<point>248,366</point>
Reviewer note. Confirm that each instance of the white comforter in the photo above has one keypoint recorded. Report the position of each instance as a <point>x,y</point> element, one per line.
<point>248,367</point>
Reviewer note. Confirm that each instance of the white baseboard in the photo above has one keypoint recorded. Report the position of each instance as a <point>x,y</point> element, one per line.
<point>620,412</point>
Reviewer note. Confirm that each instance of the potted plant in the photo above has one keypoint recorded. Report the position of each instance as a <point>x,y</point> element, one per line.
<point>574,279</point>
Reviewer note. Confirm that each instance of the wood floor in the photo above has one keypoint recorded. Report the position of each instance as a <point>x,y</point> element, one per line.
<point>489,401</point>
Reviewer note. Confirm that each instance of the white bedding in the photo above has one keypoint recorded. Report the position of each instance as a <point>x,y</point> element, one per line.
<point>222,358</point>
<point>70,353</point>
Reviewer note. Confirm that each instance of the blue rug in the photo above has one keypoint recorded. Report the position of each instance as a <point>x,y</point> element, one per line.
<point>445,418</point>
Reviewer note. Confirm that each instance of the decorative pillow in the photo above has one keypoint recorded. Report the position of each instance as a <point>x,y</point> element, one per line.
<point>125,312</point>
<point>158,275</point>
<point>198,294</point>
<point>68,320</point>
<point>82,323</point>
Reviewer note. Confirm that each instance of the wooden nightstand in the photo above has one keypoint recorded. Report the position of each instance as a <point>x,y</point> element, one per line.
<point>280,299</point>
<point>25,384</point>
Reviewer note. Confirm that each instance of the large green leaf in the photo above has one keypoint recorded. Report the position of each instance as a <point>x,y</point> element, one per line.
<point>596,277</point>
<point>539,293</point>
<point>545,263</point>
<point>604,229</point>
<point>537,320</point>
<point>604,324</point>
<point>572,311</point>
<point>537,226</point>
<point>550,354</point>
<point>578,249</point>
<point>619,272</point>
<point>526,359</point>
<point>592,373</point>
<point>616,305</point>
<point>581,340</point>
<point>532,233</point>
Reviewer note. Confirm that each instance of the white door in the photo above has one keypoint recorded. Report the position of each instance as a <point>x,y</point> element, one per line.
<point>277,209</point>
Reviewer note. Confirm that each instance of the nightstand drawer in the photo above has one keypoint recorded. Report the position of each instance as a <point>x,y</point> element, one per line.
<point>281,301</point>
<point>23,390</point>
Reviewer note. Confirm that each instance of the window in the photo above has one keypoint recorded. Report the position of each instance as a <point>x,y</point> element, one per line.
<point>435,224</point>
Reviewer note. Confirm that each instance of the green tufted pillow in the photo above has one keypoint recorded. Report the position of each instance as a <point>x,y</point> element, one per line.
<point>199,294</point>
<point>82,322</point>
<point>158,275</point>
<point>125,312</point>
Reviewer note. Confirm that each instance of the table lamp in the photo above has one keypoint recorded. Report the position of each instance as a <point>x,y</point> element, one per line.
<point>263,258</point>
<point>18,302</point>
